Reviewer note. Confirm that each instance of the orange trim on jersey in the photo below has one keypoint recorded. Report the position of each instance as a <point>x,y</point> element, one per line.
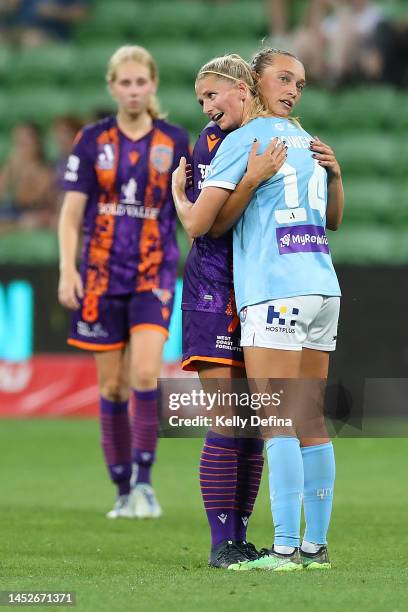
<point>88,346</point>
<point>97,276</point>
<point>77,137</point>
<point>150,244</point>
<point>186,365</point>
<point>151,326</point>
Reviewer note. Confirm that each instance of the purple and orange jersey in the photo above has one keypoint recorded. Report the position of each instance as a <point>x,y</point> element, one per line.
<point>208,285</point>
<point>129,222</point>
<point>211,330</point>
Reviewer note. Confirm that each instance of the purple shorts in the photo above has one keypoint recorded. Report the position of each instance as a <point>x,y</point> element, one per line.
<point>211,337</point>
<point>104,323</point>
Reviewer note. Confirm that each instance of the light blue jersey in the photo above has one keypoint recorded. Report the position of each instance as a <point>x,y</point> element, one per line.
<point>280,243</point>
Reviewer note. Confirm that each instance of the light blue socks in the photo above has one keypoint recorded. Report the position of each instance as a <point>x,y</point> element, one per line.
<point>285,488</point>
<point>319,474</point>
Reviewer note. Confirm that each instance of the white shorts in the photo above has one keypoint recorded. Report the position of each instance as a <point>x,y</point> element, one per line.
<point>290,324</point>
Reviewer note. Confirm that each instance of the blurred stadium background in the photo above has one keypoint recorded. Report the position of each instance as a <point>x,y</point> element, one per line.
<point>366,122</point>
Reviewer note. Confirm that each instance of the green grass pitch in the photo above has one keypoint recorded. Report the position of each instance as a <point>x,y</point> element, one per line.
<point>54,535</point>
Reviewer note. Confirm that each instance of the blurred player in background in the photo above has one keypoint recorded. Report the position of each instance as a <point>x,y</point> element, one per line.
<point>27,192</point>
<point>230,468</point>
<point>118,189</point>
<point>274,276</point>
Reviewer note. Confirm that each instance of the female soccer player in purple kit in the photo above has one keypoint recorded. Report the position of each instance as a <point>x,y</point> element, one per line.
<point>118,188</point>
<point>230,468</point>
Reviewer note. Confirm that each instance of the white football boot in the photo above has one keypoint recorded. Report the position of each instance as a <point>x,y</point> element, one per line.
<point>123,508</point>
<point>144,502</point>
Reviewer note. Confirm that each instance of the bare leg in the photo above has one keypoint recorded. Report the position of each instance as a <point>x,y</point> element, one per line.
<point>146,348</point>
<point>315,366</point>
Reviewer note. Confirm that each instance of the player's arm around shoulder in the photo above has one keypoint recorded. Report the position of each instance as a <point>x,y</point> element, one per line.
<point>326,158</point>
<point>198,218</point>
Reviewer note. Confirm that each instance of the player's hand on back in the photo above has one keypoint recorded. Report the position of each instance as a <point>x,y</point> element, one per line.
<point>262,167</point>
<point>189,175</point>
<point>325,157</point>
<point>179,178</point>
<point>70,288</point>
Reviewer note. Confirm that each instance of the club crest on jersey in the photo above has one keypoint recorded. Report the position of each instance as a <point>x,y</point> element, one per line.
<point>106,156</point>
<point>161,158</point>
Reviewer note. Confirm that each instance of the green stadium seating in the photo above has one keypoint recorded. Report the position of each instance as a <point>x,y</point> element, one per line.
<point>366,125</point>
<point>6,56</point>
<point>367,152</point>
<point>182,107</point>
<point>365,244</point>
<point>50,64</point>
<point>112,20</point>
<point>314,110</point>
<point>92,63</point>
<point>371,199</point>
<point>32,247</point>
<point>4,146</point>
<point>369,107</point>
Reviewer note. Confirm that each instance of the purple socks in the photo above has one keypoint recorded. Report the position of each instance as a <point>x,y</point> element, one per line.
<point>124,442</point>
<point>230,475</point>
<point>249,473</point>
<point>145,430</point>
<point>115,440</point>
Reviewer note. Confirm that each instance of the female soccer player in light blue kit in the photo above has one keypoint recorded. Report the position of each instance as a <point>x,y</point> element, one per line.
<point>286,288</point>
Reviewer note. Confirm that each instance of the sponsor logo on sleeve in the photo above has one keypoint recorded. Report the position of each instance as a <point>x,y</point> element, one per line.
<point>204,170</point>
<point>302,239</point>
<point>71,173</point>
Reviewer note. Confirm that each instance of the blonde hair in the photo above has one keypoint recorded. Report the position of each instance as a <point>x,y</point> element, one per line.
<point>233,67</point>
<point>134,53</point>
